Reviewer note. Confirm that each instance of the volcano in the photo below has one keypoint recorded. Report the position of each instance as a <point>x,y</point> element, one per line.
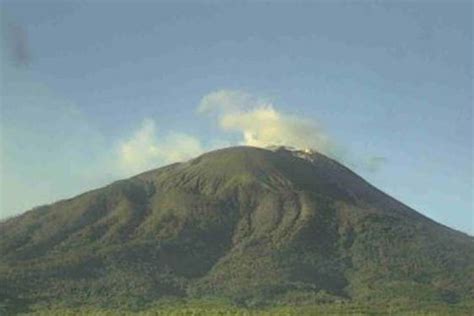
<point>247,225</point>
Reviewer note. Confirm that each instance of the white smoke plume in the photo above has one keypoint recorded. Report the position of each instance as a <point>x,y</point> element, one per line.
<point>256,120</point>
<point>261,124</point>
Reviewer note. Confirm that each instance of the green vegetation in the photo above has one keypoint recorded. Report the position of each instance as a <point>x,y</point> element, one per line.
<point>235,231</point>
<point>213,307</point>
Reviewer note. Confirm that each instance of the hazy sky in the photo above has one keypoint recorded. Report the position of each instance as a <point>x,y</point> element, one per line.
<point>92,91</point>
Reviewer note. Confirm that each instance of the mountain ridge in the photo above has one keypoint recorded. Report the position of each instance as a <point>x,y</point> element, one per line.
<point>305,154</point>
<point>250,225</point>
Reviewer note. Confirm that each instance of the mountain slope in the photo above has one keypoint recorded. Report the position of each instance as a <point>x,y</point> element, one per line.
<point>252,226</point>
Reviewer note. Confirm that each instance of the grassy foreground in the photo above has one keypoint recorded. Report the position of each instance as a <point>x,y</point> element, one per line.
<point>211,308</point>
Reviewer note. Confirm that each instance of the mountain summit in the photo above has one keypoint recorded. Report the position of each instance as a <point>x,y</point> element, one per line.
<point>252,226</point>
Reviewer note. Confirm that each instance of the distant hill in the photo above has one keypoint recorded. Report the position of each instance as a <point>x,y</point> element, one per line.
<point>250,226</point>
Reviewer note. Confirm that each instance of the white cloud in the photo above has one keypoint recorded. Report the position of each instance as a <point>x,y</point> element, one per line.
<point>260,124</point>
<point>144,150</point>
<point>256,120</point>
<point>226,101</point>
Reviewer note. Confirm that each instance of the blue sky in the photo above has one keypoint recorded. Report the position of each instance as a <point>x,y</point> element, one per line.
<point>93,91</point>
